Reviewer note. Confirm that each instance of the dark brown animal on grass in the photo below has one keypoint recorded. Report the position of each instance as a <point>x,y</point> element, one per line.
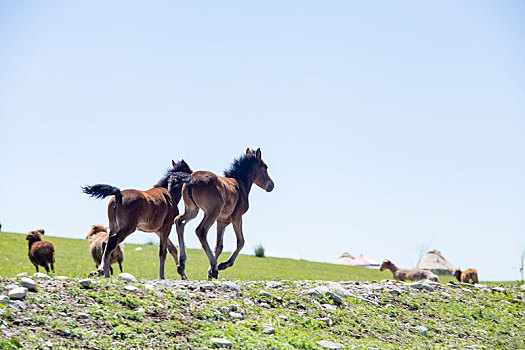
<point>153,210</point>
<point>98,237</point>
<point>223,200</point>
<point>467,276</point>
<point>41,253</point>
<point>408,274</point>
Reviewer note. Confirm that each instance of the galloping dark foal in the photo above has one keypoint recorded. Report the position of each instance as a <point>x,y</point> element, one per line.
<point>224,200</point>
<point>150,211</point>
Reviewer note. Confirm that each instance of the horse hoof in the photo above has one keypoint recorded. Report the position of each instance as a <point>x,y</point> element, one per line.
<point>223,266</point>
<point>95,273</point>
<point>213,274</point>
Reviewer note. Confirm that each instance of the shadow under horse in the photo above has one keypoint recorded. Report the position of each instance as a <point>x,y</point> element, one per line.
<point>153,210</point>
<point>223,200</point>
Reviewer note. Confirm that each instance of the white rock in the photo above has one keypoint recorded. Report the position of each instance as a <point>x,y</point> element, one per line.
<point>445,294</point>
<point>264,305</point>
<point>131,288</point>
<point>317,291</point>
<point>264,293</point>
<point>149,286</point>
<point>224,309</point>
<point>273,284</point>
<point>498,289</point>
<point>522,286</point>
<point>4,299</point>
<point>327,344</point>
<point>138,249</point>
<point>86,282</point>
<point>236,315</point>
<point>207,287</point>
<point>23,274</point>
<point>338,289</point>
<point>248,302</point>
<point>61,278</point>
<point>326,320</point>
<point>283,317</point>
<point>11,286</point>
<point>269,330</point>
<point>82,315</point>
<point>231,286</point>
<point>17,293</point>
<point>222,343</point>
<point>28,283</point>
<point>421,330</point>
<point>329,307</point>
<point>42,276</point>
<point>127,277</point>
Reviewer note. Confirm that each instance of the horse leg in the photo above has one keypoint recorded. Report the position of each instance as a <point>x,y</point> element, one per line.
<point>120,265</point>
<point>181,220</point>
<point>237,227</point>
<point>173,251</point>
<point>163,238</point>
<point>52,267</point>
<point>202,233</point>
<point>114,239</point>
<point>36,266</point>
<point>47,268</point>
<point>221,226</point>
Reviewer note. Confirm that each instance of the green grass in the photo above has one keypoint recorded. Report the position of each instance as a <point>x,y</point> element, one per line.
<point>73,259</point>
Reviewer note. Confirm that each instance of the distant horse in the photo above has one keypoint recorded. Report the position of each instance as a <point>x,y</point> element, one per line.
<point>224,200</point>
<point>150,211</point>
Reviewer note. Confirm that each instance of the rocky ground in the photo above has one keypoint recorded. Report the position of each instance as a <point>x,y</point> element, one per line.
<point>61,312</point>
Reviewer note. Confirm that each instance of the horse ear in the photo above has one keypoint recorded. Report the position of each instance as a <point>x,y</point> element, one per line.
<point>184,163</point>
<point>248,152</point>
<point>258,153</point>
<point>41,231</point>
<point>173,163</point>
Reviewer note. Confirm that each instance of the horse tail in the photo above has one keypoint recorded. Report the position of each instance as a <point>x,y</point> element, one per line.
<point>178,179</point>
<point>102,191</point>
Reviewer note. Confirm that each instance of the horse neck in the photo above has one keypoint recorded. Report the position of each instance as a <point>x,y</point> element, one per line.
<point>31,242</point>
<point>393,267</point>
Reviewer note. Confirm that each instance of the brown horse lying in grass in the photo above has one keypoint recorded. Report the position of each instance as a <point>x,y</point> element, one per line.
<point>467,276</point>
<point>153,210</point>
<point>224,200</point>
<point>408,274</point>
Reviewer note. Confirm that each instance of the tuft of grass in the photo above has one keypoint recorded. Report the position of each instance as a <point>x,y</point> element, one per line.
<point>259,251</point>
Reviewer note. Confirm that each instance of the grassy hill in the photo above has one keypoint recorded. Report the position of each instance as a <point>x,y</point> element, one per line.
<point>299,312</point>
<point>73,259</point>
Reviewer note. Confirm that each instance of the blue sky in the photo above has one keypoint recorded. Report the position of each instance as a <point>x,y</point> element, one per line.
<point>386,126</point>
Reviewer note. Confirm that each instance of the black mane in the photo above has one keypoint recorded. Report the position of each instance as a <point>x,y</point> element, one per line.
<point>173,173</point>
<point>241,166</point>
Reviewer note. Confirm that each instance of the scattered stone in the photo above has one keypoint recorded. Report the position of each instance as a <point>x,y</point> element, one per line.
<point>23,274</point>
<point>62,278</point>
<point>338,289</point>
<point>395,291</point>
<point>317,291</point>
<point>221,343</point>
<point>4,299</point>
<point>329,307</point>
<point>149,286</point>
<point>141,310</point>
<point>326,320</point>
<point>335,298</point>
<point>498,289</point>
<point>11,286</point>
<point>265,305</point>
<point>236,315</point>
<point>17,293</point>
<point>327,344</point>
<point>231,286</point>
<point>421,330</point>
<point>233,307</point>
<point>18,304</point>
<point>283,317</point>
<point>127,277</point>
<point>138,249</point>
<point>264,293</point>
<point>273,284</point>
<point>269,330</point>
<point>224,309</point>
<point>82,315</point>
<point>445,294</point>
<point>522,286</point>
<point>428,287</point>
<point>207,287</point>
<point>248,302</point>
<point>28,283</point>
<point>131,288</point>
<point>42,276</point>
<point>85,283</point>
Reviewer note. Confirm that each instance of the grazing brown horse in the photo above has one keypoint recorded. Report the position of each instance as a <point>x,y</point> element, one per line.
<point>153,210</point>
<point>224,200</point>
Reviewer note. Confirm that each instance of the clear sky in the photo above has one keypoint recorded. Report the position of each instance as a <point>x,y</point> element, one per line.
<point>387,126</point>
